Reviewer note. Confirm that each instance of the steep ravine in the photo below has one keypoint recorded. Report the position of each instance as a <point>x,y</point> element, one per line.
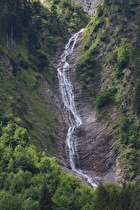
<point>98,140</point>
<point>94,139</point>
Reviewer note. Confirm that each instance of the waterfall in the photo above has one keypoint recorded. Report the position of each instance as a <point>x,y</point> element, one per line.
<point>72,117</point>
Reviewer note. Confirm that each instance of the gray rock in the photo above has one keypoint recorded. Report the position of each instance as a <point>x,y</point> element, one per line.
<point>90,5</point>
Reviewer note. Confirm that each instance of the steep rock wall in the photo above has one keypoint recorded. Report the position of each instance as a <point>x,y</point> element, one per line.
<point>90,5</point>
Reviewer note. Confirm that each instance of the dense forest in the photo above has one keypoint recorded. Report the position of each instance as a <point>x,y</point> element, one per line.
<point>30,35</point>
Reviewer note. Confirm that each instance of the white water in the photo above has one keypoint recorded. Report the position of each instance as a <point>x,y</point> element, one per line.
<point>73,119</point>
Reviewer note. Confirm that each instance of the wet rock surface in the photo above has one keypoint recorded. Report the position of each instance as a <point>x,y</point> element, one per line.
<point>95,140</point>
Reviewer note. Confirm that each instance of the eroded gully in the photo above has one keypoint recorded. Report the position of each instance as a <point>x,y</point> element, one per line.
<point>72,116</point>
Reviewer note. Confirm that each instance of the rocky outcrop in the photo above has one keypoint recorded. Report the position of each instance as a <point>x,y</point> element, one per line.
<point>95,144</point>
<point>90,5</point>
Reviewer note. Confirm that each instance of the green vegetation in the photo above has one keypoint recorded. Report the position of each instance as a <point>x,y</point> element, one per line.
<point>103,99</point>
<point>129,136</point>
<point>22,89</point>
<point>70,13</point>
<point>31,180</point>
<point>136,100</point>
<point>30,35</point>
<point>110,62</point>
<point>87,72</point>
<point>123,54</point>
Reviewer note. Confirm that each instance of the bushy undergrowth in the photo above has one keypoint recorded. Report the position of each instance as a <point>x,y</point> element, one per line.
<point>103,99</point>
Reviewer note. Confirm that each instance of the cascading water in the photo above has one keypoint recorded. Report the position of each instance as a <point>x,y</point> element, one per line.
<point>72,117</point>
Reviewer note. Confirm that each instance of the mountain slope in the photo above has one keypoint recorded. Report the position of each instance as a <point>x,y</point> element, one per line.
<point>30,37</point>
<point>108,72</point>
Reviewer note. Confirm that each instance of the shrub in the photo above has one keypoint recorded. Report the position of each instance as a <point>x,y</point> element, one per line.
<point>51,45</point>
<point>124,130</point>
<point>1,50</point>
<point>124,123</point>
<point>43,60</point>
<point>113,58</point>
<point>98,25</point>
<point>103,99</point>
<point>123,54</point>
<point>136,100</point>
<point>100,11</point>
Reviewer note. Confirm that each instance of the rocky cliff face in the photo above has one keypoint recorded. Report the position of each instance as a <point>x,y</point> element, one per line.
<point>95,147</point>
<point>90,5</point>
<point>96,152</point>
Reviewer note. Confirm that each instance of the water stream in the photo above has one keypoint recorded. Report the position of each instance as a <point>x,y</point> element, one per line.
<point>73,119</point>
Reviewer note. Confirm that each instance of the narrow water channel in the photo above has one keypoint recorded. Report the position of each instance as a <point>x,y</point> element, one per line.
<point>73,118</point>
